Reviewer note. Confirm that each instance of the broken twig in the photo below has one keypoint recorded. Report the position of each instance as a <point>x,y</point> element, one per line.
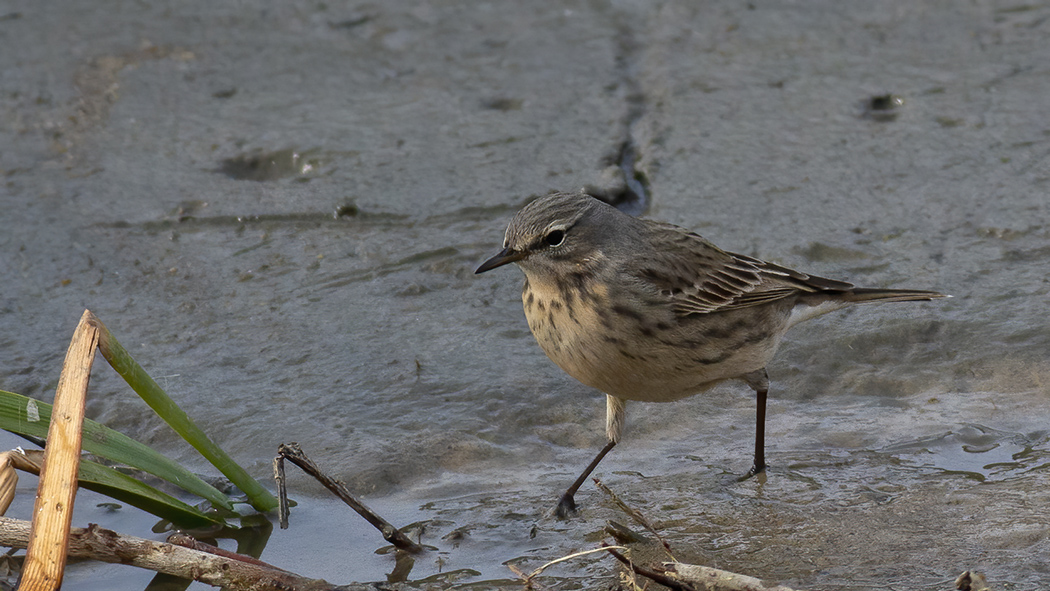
<point>633,514</point>
<point>675,575</point>
<point>706,578</point>
<point>293,453</point>
<point>188,541</point>
<point>528,578</point>
<point>648,573</point>
<point>105,545</point>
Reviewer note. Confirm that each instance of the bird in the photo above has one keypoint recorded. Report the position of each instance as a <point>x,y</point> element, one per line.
<point>644,310</point>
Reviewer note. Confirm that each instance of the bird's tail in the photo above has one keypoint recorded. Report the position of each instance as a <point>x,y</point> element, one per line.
<point>830,300</point>
<point>862,294</point>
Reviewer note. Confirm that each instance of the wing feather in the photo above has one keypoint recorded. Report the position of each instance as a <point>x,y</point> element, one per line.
<point>697,277</point>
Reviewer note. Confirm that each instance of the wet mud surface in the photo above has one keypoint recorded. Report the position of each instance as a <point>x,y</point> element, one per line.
<point>278,210</point>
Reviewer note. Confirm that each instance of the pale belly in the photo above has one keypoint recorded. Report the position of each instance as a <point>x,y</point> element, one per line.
<point>653,356</point>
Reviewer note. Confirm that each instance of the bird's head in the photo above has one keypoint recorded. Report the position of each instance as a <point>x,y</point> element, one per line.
<point>556,232</point>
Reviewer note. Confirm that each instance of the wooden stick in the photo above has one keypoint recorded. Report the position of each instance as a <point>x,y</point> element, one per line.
<point>293,453</point>
<point>105,545</point>
<point>708,578</point>
<point>8,480</point>
<point>676,575</point>
<point>282,491</point>
<point>53,511</point>
<point>188,541</point>
<point>648,573</point>
<point>634,514</point>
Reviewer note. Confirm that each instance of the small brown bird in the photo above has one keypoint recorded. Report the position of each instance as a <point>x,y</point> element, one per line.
<point>645,310</point>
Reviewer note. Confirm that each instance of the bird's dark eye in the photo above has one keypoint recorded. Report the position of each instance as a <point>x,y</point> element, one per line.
<point>554,238</point>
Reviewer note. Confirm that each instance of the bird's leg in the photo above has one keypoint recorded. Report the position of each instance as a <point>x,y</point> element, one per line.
<point>567,504</point>
<point>615,413</point>
<point>759,464</point>
<point>759,381</point>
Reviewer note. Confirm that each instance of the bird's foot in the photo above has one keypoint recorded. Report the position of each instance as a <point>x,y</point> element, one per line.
<point>755,470</point>
<point>566,507</point>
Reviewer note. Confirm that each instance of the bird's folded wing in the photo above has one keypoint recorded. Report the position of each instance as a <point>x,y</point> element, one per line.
<point>700,278</point>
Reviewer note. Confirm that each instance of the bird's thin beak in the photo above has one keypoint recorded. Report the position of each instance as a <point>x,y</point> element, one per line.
<point>503,257</point>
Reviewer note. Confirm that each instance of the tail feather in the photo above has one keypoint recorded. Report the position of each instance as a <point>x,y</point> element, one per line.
<point>862,294</point>
<point>820,303</point>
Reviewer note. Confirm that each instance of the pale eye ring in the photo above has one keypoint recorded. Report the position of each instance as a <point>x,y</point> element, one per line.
<point>554,238</point>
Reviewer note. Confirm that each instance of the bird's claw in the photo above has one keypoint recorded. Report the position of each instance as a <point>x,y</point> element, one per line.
<point>566,507</point>
<point>754,471</point>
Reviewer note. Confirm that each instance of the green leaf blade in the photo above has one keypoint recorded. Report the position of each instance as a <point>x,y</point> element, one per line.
<point>27,416</point>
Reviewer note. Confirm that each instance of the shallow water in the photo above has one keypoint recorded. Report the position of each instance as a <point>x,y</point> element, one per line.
<point>333,303</point>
